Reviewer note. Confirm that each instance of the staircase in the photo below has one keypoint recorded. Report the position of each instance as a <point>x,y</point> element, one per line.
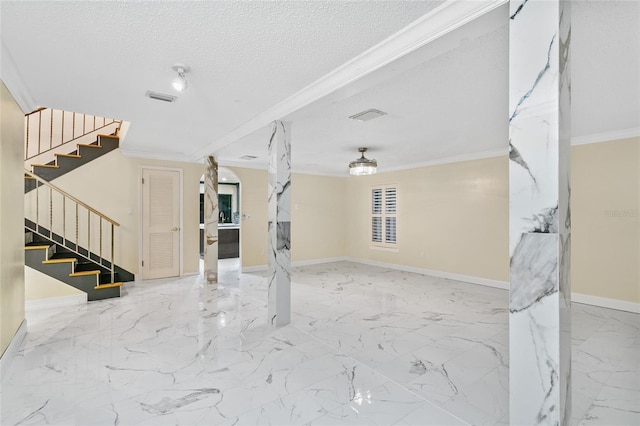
<point>64,163</point>
<point>64,237</point>
<point>54,260</point>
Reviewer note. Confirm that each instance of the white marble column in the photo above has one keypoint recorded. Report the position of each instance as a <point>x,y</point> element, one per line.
<point>211,221</point>
<point>540,220</point>
<point>279,215</point>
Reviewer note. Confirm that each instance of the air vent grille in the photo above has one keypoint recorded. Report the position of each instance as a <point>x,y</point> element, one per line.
<point>248,157</point>
<point>161,96</point>
<point>367,115</point>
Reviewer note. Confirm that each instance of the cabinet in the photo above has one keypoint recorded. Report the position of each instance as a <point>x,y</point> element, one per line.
<point>228,243</point>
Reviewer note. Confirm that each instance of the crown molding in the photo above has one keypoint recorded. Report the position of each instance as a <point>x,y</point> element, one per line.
<point>613,135</point>
<point>155,155</point>
<point>454,159</point>
<point>433,25</point>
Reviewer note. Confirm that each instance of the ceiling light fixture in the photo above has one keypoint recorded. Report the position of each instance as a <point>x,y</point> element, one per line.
<point>180,82</point>
<point>363,166</point>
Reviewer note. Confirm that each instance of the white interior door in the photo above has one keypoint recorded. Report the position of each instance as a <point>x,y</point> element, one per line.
<point>161,197</point>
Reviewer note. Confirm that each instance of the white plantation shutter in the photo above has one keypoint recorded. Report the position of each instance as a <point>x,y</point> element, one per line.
<point>390,200</point>
<point>384,210</point>
<point>390,230</point>
<point>376,201</point>
<point>376,215</point>
<point>376,229</point>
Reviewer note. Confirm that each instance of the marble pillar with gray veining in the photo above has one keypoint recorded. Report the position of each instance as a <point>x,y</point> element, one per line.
<point>279,216</point>
<point>211,221</point>
<point>540,220</point>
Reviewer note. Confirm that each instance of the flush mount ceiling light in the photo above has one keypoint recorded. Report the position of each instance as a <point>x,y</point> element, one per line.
<point>363,166</point>
<point>180,82</point>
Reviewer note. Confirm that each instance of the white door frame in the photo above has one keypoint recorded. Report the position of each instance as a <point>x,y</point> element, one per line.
<point>141,217</point>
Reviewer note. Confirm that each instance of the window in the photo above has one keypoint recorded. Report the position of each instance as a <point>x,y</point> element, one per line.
<point>384,216</point>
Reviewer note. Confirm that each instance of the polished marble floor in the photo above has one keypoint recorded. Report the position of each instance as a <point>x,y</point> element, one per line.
<point>366,346</point>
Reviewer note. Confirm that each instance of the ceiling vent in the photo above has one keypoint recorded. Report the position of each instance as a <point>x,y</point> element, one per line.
<point>367,115</point>
<point>248,157</point>
<point>161,96</point>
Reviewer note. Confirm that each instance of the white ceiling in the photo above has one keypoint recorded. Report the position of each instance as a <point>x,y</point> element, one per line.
<point>445,100</point>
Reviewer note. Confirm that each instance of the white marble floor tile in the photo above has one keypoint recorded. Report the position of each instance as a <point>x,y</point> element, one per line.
<point>366,345</point>
<point>382,405</point>
<point>431,415</point>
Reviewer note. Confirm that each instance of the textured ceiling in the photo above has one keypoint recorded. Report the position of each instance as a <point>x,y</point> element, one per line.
<point>446,100</point>
<point>450,100</point>
<point>101,57</point>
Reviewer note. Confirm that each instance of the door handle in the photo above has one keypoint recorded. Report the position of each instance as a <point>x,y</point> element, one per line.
<point>175,228</point>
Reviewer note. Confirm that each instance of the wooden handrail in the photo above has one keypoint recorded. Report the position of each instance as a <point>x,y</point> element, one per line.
<point>71,197</point>
<point>35,110</point>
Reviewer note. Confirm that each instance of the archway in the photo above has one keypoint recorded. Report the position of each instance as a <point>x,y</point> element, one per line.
<point>229,225</point>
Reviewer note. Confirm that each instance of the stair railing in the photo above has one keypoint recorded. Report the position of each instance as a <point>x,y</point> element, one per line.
<point>48,205</point>
<point>47,129</point>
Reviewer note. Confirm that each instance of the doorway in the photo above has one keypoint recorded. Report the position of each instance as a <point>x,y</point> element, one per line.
<point>228,217</point>
<point>161,222</point>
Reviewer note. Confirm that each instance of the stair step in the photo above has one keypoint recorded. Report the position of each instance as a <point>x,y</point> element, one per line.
<point>39,247</point>
<point>84,273</point>
<point>89,145</point>
<point>60,260</point>
<point>103,286</point>
<point>68,155</point>
<point>46,166</point>
<point>108,136</point>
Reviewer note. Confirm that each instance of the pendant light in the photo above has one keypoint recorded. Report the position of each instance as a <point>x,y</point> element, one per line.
<point>363,166</point>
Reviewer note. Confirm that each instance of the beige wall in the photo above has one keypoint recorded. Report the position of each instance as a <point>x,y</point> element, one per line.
<point>318,216</point>
<point>253,215</point>
<point>40,286</point>
<point>605,219</point>
<point>451,218</point>
<point>454,218</point>
<point>111,184</point>
<point>11,218</point>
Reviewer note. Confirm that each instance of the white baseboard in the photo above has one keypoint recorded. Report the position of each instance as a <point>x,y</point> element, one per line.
<point>9,355</point>
<point>603,302</point>
<point>440,274</point>
<point>56,302</point>
<point>255,268</point>
<point>620,305</point>
<point>318,261</point>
